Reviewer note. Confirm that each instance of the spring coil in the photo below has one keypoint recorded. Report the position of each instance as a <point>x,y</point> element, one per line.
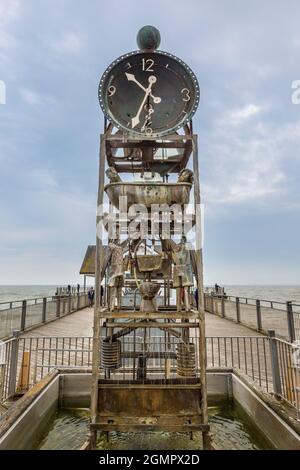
<point>111,355</point>
<point>186,360</point>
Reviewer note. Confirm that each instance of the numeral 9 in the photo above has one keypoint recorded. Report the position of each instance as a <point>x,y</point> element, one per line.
<point>111,90</point>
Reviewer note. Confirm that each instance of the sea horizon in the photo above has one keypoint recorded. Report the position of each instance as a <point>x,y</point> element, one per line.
<point>274,292</point>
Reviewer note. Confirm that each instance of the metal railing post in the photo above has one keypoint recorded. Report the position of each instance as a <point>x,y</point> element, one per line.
<point>290,321</point>
<point>13,364</point>
<point>223,306</point>
<point>78,301</point>
<point>58,306</point>
<point>274,363</point>
<point>238,310</point>
<point>23,315</point>
<point>258,315</point>
<point>44,310</point>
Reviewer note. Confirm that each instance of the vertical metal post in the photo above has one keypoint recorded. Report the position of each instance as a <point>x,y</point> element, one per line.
<point>13,364</point>
<point>78,301</point>
<point>23,315</point>
<point>274,363</point>
<point>202,341</point>
<point>58,306</point>
<point>97,308</point>
<point>238,310</point>
<point>212,304</point>
<point>290,321</point>
<point>223,306</point>
<point>44,313</point>
<point>258,315</point>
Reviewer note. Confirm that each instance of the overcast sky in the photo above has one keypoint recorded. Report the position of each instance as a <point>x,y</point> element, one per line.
<point>245,55</point>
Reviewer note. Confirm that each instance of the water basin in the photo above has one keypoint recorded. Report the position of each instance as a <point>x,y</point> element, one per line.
<point>231,428</point>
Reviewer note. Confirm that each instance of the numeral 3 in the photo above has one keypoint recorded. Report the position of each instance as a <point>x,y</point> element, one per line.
<point>185,94</point>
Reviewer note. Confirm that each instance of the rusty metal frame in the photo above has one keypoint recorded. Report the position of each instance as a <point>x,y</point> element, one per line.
<point>189,144</point>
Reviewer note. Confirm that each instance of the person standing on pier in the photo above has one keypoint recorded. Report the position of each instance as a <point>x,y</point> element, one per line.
<point>91,295</point>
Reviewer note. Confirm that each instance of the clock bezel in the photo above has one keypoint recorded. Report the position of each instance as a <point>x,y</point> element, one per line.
<point>105,108</point>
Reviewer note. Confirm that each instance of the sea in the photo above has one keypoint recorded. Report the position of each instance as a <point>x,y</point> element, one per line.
<point>263,292</point>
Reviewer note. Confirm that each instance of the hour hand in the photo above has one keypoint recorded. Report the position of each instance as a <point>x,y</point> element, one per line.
<point>131,78</point>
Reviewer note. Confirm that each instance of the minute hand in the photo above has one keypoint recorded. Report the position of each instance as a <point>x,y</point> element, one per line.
<point>136,119</point>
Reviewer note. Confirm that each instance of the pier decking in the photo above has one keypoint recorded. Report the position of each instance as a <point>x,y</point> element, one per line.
<point>80,324</point>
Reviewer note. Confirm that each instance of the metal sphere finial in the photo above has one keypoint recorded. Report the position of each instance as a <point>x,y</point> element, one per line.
<point>148,38</point>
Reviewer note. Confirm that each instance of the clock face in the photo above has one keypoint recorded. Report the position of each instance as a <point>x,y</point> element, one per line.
<point>149,93</point>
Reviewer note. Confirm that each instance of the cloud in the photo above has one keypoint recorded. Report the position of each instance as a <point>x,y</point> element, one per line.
<point>248,165</point>
<point>245,56</point>
<point>9,12</point>
<point>69,43</point>
<point>42,178</point>
<point>35,99</point>
<point>239,116</point>
<point>30,97</point>
<point>9,9</point>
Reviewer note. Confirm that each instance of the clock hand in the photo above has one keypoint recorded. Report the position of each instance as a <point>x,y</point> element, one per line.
<point>147,119</point>
<point>131,78</point>
<point>134,121</point>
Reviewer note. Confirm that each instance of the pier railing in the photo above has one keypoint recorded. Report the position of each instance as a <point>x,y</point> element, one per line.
<point>24,314</point>
<point>261,315</point>
<point>270,363</point>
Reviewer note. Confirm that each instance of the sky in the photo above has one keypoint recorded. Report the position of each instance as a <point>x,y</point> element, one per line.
<point>246,57</point>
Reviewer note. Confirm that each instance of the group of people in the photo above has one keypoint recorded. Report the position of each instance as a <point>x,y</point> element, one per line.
<point>69,289</point>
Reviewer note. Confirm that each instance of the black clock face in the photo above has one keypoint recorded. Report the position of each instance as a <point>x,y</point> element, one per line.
<point>149,93</point>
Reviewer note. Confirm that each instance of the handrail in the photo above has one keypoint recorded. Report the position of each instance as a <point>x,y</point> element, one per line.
<point>266,360</point>
<point>26,314</point>
<point>229,296</point>
<point>33,299</point>
<point>254,313</point>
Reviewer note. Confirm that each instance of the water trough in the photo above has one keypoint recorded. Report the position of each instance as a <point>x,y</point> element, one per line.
<point>29,418</point>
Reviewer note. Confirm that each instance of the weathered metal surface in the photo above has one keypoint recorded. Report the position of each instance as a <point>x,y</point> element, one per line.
<point>149,193</point>
<point>186,360</point>
<point>153,325</point>
<point>149,406</point>
<point>148,263</point>
<point>134,152</point>
<point>111,354</point>
<point>148,38</point>
<point>163,272</point>
<point>148,291</point>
